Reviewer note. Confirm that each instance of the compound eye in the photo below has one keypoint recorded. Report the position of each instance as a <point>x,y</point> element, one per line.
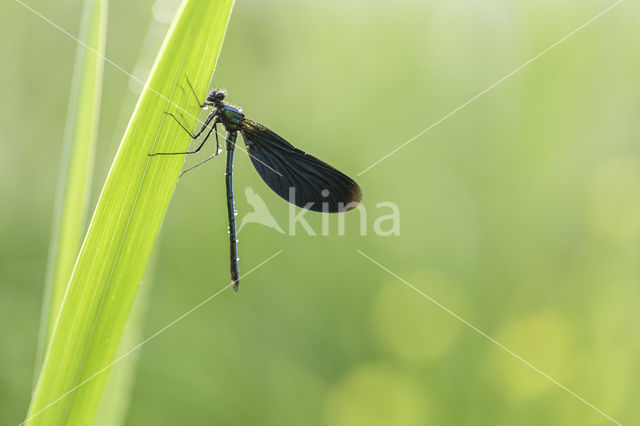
<point>220,95</point>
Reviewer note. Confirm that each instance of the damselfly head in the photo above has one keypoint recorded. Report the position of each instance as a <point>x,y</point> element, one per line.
<point>216,96</point>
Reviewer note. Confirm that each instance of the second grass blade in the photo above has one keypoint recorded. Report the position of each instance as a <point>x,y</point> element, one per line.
<point>72,197</point>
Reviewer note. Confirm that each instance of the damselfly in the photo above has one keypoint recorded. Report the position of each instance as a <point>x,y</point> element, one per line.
<point>294,175</point>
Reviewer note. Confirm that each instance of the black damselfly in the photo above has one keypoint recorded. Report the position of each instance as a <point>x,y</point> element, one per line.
<point>294,175</point>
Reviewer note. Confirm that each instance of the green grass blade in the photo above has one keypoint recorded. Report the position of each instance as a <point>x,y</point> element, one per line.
<point>116,397</point>
<point>126,221</point>
<point>115,400</point>
<point>77,165</point>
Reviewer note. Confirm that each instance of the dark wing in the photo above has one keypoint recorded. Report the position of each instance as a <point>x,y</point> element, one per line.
<point>296,176</point>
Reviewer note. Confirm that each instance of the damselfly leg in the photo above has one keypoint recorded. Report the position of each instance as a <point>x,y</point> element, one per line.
<point>210,123</point>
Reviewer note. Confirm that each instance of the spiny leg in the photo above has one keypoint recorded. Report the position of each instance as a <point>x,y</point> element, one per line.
<point>194,93</point>
<point>214,129</point>
<point>181,115</point>
<point>200,104</point>
<point>193,136</point>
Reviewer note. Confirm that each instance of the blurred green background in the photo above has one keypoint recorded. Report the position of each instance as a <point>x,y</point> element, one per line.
<point>520,213</point>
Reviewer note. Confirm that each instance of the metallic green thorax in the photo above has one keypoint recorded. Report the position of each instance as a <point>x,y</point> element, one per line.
<point>231,117</point>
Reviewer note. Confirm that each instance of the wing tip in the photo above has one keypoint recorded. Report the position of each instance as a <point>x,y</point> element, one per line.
<point>355,198</point>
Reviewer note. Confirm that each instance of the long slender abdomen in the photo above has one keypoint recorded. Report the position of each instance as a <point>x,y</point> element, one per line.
<point>233,239</point>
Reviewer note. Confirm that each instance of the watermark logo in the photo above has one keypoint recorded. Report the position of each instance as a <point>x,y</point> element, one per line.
<point>260,213</point>
<point>386,218</point>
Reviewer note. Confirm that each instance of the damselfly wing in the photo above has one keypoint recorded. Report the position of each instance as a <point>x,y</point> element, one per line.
<point>296,176</point>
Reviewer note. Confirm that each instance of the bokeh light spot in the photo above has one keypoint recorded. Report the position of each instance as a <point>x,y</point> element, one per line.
<point>376,395</point>
<point>614,200</point>
<point>544,339</point>
<point>411,326</point>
